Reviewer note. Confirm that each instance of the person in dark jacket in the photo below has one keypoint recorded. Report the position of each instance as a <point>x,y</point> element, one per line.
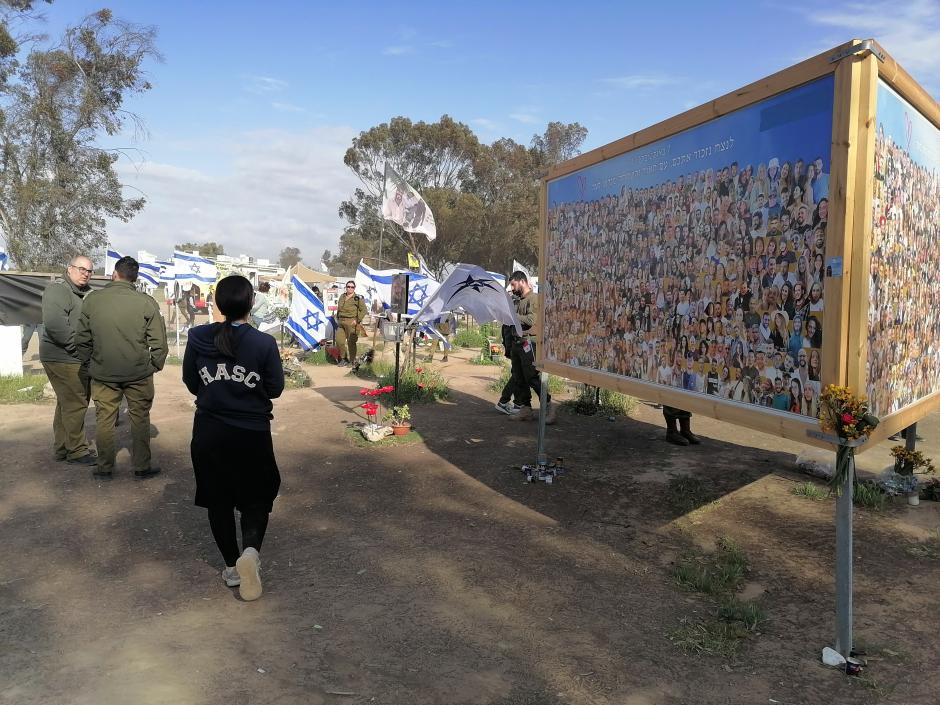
<point>235,371</point>
<point>61,307</point>
<point>122,336</point>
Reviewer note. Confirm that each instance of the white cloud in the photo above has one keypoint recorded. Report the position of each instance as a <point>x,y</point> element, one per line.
<point>639,81</point>
<point>288,108</point>
<point>264,84</point>
<point>485,123</point>
<point>399,50</point>
<point>281,188</point>
<point>909,30</point>
<point>443,44</point>
<point>525,118</point>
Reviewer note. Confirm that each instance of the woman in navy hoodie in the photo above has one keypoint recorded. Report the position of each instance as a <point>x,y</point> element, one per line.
<point>235,371</point>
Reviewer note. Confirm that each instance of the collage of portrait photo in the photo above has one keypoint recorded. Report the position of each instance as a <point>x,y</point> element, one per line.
<point>903,315</point>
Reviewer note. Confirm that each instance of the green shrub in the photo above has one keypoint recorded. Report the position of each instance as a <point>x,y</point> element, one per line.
<point>17,389</point>
<point>174,360</point>
<point>810,490</point>
<point>491,330</point>
<point>415,384</point>
<point>612,403</point>
<point>556,385</point>
<point>317,357</point>
<point>870,496</point>
<point>469,338</point>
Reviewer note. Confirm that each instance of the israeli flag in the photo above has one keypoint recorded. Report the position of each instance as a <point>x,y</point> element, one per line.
<point>149,273</point>
<point>308,320</point>
<point>167,271</point>
<point>4,262</point>
<point>375,284</point>
<point>111,260</point>
<point>194,269</point>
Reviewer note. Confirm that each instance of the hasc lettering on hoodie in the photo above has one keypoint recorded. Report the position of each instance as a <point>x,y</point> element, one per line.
<point>250,380</point>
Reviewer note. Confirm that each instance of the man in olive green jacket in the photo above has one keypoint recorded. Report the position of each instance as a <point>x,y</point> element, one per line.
<point>123,337</point>
<point>61,306</point>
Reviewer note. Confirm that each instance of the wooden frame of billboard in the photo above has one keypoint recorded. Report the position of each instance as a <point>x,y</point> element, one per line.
<point>856,69</point>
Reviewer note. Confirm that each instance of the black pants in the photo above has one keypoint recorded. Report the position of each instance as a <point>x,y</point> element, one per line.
<point>222,522</point>
<point>524,375</point>
<point>672,414</point>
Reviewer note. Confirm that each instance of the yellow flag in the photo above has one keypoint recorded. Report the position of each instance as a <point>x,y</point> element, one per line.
<point>413,262</point>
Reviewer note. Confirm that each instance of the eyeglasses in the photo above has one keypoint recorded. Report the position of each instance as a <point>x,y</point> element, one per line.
<point>82,270</point>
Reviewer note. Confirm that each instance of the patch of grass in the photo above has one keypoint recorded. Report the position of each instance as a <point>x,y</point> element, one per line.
<point>810,490</point>
<point>556,385</point>
<point>470,338</point>
<point>354,435</point>
<point>710,638</point>
<point>686,493</point>
<point>748,614</point>
<point>414,386</point>
<point>174,360</point>
<point>612,403</point>
<point>484,358</point>
<point>929,548</point>
<point>317,357</point>
<point>866,681</point>
<point>870,496</point>
<point>20,389</point>
<point>717,575</point>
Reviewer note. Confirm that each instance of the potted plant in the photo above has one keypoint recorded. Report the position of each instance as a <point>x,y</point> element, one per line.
<point>908,464</point>
<point>399,418</point>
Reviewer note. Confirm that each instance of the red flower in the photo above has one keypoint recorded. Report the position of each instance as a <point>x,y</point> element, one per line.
<point>420,386</point>
<point>419,370</point>
<point>848,419</point>
<point>370,407</point>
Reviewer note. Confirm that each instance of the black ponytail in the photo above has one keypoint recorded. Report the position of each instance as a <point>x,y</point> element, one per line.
<point>233,296</point>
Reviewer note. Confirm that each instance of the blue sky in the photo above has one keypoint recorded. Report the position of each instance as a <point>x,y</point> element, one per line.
<point>255,103</point>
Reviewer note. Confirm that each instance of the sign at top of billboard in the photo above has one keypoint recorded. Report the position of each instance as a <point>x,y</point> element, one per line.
<point>697,262</point>
<point>903,318</point>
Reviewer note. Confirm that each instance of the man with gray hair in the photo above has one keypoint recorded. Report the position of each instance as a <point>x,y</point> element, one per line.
<point>61,307</point>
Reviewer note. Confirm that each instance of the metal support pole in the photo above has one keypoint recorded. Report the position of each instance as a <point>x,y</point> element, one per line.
<point>542,458</point>
<point>844,563</point>
<point>397,365</point>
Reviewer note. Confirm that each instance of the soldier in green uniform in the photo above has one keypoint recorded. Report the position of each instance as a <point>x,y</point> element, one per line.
<point>350,313</point>
<point>121,335</point>
<point>61,307</point>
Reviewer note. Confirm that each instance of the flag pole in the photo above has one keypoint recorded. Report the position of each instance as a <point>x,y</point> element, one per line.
<point>381,214</point>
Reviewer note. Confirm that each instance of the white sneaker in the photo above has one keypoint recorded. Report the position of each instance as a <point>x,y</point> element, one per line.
<point>230,576</point>
<point>507,408</point>
<point>249,572</point>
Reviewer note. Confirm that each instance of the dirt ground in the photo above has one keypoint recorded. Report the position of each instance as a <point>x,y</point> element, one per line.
<point>432,574</point>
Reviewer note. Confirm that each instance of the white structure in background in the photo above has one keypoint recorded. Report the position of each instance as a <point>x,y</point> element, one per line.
<point>253,268</point>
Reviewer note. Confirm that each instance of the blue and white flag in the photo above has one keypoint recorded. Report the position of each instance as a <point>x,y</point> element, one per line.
<point>477,292</point>
<point>308,320</point>
<point>111,260</point>
<point>4,262</point>
<point>149,273</point>
<point>167,270</point>
<point>193,268</point>
<point>375,284</point>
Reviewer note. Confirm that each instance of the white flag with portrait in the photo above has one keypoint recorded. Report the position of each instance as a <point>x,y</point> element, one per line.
<point>403,205</point>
